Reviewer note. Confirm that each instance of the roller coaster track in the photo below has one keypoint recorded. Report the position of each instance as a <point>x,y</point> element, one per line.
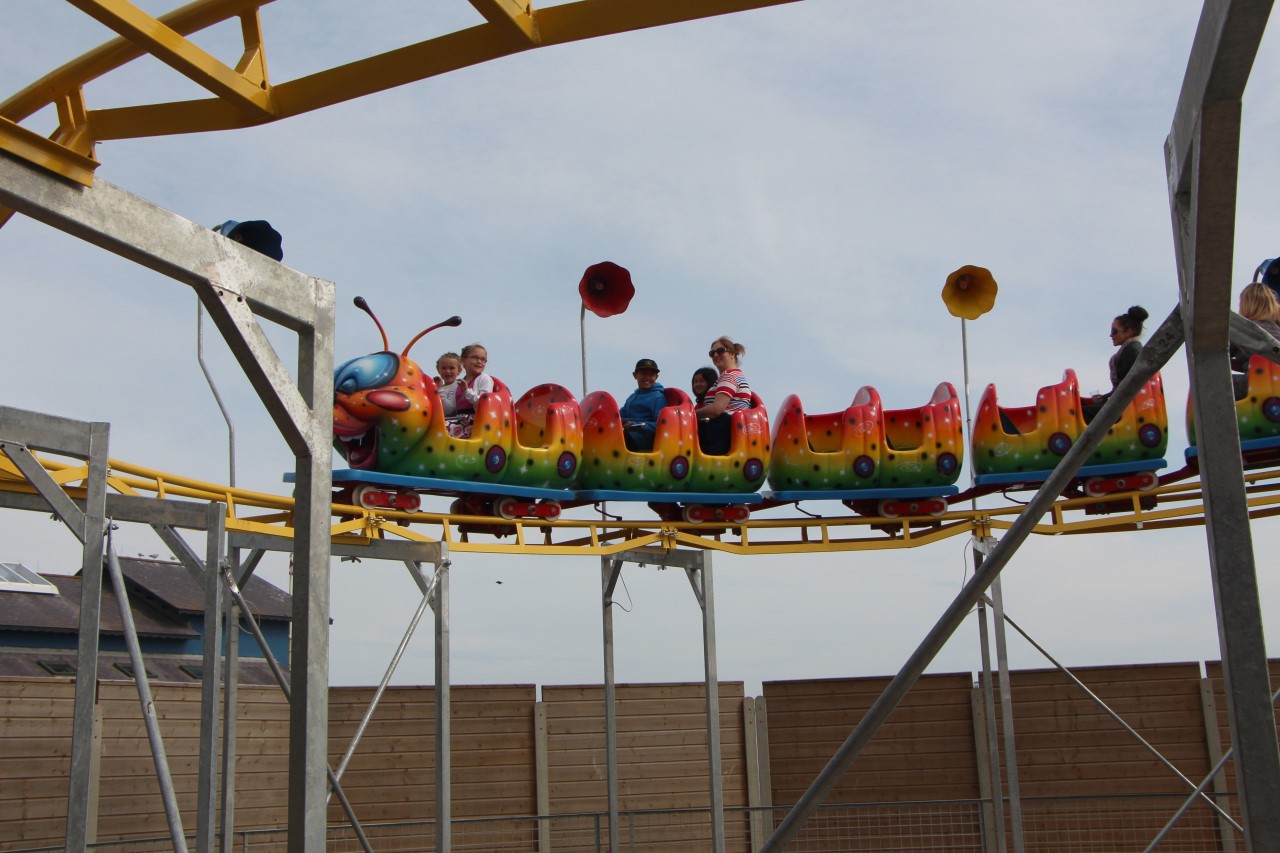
<point>1177,502</point>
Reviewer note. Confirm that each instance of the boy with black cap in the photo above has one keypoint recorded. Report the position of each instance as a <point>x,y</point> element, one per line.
<point>640,412</point>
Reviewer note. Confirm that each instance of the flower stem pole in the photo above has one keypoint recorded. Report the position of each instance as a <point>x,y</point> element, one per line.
<point>582,328</point>
<point>968,420</point>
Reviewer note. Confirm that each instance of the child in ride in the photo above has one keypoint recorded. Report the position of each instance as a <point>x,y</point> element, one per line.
<point>476,382</point>
<point>640,412</point>
<point>448,367</point>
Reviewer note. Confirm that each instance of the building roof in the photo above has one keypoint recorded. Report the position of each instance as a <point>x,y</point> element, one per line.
<point>171,583</point>
<point>61,613</point>
<point>161,594</point>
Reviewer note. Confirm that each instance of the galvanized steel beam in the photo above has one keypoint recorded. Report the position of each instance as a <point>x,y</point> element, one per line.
<point>239,287</point>
<point>1201,159</point>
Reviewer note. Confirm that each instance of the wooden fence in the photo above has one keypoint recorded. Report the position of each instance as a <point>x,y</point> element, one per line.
<point>514,755</point>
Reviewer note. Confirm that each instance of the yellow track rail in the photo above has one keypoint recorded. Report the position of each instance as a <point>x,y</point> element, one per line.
<point>1176,505</point>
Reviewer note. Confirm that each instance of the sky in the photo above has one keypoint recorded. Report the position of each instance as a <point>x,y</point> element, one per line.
<point>801,178</point>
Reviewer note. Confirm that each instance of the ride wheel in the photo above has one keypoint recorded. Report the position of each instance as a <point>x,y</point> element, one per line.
<point>1142,481</point>
<point>373,497</point>
<point>512,508</point>
<point>728,514</point>
<point>897,508</point>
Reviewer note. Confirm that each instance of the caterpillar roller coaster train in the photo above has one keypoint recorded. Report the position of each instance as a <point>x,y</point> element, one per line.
<point>532,456</point>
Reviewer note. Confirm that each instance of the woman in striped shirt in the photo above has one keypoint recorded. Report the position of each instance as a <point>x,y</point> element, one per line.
<point>730,394</point>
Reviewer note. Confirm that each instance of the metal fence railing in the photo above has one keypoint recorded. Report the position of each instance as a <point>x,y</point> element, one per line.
<point>1122,824</point>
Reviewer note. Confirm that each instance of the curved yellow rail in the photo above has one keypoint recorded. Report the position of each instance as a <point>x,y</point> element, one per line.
<point>242,95</point>
<point>1175,505</point>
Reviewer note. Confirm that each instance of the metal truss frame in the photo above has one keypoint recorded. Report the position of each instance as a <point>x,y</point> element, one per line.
<point>238,288</point>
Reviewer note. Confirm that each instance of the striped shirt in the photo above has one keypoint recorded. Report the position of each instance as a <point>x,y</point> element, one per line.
<point>733,383</point>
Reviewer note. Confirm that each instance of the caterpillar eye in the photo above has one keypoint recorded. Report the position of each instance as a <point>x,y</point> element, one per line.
<point>365,372</point>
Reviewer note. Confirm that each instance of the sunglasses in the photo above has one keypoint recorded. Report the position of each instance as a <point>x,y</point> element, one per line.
<point>717,351</point>
<point>1115,331</point>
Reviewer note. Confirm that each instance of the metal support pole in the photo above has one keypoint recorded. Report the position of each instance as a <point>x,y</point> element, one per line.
<point>20,431</point>
<point>230,698</point>
<point>989,717</point>
<point>86,699</point>
<point>1199,791</point>
<point>172,815</point>
<point>444,716</point>
<point>1202,155</point>
<point>1111,713</point>
<point>210,681</point>
<point>217,398</point>
<point>582,331</point>
<point>1006,719</point>
<point>704,593</point>
<point>283,682</point>
<point>428,591</point>
<point>610,570</point>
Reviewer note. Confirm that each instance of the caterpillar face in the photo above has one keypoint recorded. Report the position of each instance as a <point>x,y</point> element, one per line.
<point>381,408</point>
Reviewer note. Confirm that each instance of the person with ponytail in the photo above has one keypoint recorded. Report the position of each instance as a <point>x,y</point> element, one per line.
<point>1125,331</point>
<point>731,393</point>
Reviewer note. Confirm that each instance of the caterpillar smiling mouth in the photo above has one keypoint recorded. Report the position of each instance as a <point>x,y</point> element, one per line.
<point>361,449</point>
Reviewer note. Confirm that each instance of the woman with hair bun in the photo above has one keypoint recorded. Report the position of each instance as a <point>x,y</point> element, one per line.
<point>1125,330</point>
<point>730,394</point>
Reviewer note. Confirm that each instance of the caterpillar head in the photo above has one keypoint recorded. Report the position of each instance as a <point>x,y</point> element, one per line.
<point>382,404</point>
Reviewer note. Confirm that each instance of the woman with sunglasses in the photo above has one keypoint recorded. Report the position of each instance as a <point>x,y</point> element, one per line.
<point>730,394</point>
<point>1125,330</point>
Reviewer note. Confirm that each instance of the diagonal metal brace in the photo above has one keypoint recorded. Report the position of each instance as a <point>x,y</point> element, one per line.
<point>65,508</point>
<point>1167,339</point>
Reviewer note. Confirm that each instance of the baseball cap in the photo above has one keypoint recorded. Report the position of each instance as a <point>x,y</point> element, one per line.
<point>257,234</point>
<point>647,364</point>
<point>1268,272</point>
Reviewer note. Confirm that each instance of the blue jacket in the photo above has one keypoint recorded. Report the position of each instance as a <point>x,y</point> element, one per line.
<point>642,408</point>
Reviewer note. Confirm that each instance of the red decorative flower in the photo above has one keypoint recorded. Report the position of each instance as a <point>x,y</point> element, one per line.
<point>606,289</point>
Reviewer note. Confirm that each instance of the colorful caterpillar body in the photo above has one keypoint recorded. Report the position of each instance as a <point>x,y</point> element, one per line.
<point>1011,441</point>
<point>388,419</point>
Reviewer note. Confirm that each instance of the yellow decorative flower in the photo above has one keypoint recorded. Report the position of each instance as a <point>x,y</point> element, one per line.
<point>970,292</point>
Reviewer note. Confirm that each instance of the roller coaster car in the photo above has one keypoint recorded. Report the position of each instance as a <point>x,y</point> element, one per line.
<point>607,463</point>
<point>547,444</point>
<point>745,466</point>
<point>390,427</point>
<point>882,462</point>
<point>1021,446</point>
<point>701,487</point>
<point>1257,414</point>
